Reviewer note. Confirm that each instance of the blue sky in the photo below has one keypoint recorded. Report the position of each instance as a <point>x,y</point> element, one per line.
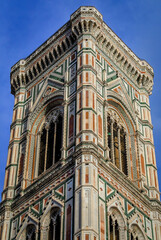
<point>24,25</point>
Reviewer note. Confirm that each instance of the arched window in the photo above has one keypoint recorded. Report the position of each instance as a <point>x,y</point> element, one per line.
<point>55,224</point>
<point>116,138</point>
<point>31,232</point>
<point>58,144</point>
<point>117,223</point>
<point>136,233</point>
<point>132,237</point>
<point>42,151</point>
<point>114,229</point>
<point>117,237</point>
<point>111,228</point>
<point>116,145</point>
<point>50,144</point>
<point>123,151</point>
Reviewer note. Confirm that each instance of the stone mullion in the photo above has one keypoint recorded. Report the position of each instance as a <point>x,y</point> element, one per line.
<point>37,154</point>
<point>44,233</point>
<point>54,224</point>
<point>112,144</point>
<point>61,227</point>
<point>113,230</point>
<point>64,144</point>
<point>119,147</point>
<point>126,154</point>
<point>129,234</point>
<point>37,234</point>
<point>127,144</point>
<point>46,148</point>
<point>122,232</point>
<point>55,129</point>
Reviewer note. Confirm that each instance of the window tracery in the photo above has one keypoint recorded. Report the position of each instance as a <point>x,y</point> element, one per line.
<point>50,141</point>
<point>55,224</point>
<point>116,138</point>
<point>114,229</point>
<point>136,233</point>
<point>133,237</point>
<point>116,223</point>
<point>31,232</point>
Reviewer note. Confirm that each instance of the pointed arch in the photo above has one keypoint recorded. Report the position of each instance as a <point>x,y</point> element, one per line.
<point>55,224</point>
<point>55,53</point>
<point>52,220</point>
<point>38,120</point>
<point>59,50</point>
<point>29,227</point>
<point>46,61</point>
<point>18,80</point>
<point>63,46</point>
<point>26,79</point>
<point>42,64</point>
<point>136,228</point>
<point>30,75</point>
<point>80,27</point>
<point>38,68</point>
<point>67,42</point>
<point>126,114</point>
<point>34,71</point>
<point>117,223</point>
<point>51,57</point>
<point>31,232</point>
<point>137,233</point>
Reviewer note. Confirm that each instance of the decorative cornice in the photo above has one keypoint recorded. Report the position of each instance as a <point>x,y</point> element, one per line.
<point>86,20</point>
<point>137,70</point>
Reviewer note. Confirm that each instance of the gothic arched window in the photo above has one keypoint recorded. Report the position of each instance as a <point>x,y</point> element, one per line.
<point>114,229</point>
<point>31,232</point>
<point>55,224</point>
<point>116,138</point>
<point>136,233</point>
<point>50,144</point>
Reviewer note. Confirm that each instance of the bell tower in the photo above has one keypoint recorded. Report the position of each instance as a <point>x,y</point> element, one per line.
<point>81,161</point>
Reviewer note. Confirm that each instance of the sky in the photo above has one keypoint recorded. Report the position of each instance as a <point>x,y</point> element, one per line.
<point>25,25</point>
